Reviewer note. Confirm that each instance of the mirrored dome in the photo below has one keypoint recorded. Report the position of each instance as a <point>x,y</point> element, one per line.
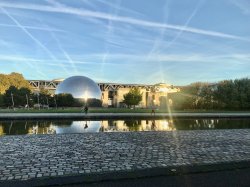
<point>80,87</point>
<point>79,127</point>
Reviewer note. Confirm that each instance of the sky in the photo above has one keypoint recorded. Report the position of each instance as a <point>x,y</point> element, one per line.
<point>126,41</point>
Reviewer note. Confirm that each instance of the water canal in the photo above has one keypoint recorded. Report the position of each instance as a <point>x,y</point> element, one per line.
<point>18,127</point>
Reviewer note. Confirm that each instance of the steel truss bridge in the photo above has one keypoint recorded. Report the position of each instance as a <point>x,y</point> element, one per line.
<point>51,85</point>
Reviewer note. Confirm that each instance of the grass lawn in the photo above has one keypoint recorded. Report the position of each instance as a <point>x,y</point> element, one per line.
<point>78,110</point>
<point>110,110</point>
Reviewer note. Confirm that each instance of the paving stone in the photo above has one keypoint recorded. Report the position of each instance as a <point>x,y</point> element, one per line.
<point>33,156</point>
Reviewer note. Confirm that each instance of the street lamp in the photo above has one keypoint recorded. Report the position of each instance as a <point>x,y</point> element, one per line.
<point>38,101</point>
<point>13,104</point>
<point>55,102</point>
<point>27,99</point>
<point>47,102</point>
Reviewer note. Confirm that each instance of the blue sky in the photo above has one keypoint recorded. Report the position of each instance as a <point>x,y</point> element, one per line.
<point>126,41</point>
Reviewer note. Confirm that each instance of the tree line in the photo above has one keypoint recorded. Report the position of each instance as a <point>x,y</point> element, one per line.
<point>226,95</point>
<point>16,92</point>
<point>23,97</point>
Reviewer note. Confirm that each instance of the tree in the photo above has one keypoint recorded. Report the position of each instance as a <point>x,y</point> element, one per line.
<point>133,125</point>
<point>194,96</point>
<point>14,79</point>
<point>19,96</point>
<point>1,100</point>
<point>64,100</point>
<point>4,83</point>
<point>10,94</point>
<point>17,80</point>
<point>44,97</point>
<point>233,94</point>
<point>182,100</point>
<point>133,97</point>
<point>206,98</point>
<point>92,102</point>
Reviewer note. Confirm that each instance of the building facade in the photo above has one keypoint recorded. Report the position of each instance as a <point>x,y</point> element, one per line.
<point>112,93</point>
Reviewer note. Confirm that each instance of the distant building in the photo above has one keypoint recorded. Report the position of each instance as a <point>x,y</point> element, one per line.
<point>112,93</point>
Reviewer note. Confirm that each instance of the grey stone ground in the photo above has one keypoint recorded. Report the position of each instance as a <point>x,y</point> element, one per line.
<point>38,156</point>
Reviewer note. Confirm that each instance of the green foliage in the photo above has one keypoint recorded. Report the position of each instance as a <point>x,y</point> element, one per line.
<point>13,79</point>
<point>12,91</point>
<point>94,102</point>
<point>233,94</point>
<point>188,98</point>
<point>227,94</point>
<point>182,100</point>
<point>163,102</point>
<point>19,96</point>
<point>133,97</point>
<point>133,125</point>
<point>45,98</point>
<point>1,100</point>
<point>91,102</point>
<point>64,100</point>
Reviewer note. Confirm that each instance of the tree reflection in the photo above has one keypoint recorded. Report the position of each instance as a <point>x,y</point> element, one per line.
<point>133,125</point>
<point>16,127</point>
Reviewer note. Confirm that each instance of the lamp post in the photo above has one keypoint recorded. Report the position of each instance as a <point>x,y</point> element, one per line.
<point>13,104</point>
<point>47,102</point>
<point>55,102</point>
<point>38,101</point>
<point>27,99</point>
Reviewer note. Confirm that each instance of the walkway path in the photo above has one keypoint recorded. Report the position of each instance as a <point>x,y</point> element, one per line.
<point>95,156</point>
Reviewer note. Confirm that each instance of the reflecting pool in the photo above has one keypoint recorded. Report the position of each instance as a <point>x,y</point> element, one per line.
<point>16,127</point>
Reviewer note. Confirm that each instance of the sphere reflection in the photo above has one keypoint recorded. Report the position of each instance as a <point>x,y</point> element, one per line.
<point>80,87</point>
<point>79,127</point>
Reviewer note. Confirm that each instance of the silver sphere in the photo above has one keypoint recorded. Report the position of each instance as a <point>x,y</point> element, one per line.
<point>80,87</point>
<point>79,127</point>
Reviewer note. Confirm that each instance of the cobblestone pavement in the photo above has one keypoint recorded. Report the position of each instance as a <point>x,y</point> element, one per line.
<point>35,156</point>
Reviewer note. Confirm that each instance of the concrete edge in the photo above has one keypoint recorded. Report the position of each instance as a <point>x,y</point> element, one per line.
<point>122,175</point>
<point>103,116</point>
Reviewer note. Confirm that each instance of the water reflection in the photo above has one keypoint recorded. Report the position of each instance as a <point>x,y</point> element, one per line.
<point>78,127</point>
<point>69,126</point>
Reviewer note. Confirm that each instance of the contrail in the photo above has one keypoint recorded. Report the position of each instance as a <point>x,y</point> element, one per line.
<point>32,37</point>
<point>27,61</point>
<point>158,40</point>
<point>29,34</point>
<point>243,5</point>
<point>64,52</point>
<point>186,24</point>
<point>119,8</point>
<point>123,19</point>
<point>32,27</point>
<point>109,35</point>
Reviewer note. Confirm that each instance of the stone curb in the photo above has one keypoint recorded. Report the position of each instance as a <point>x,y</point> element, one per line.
<point>132,174</point>
<point>100,116</point>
